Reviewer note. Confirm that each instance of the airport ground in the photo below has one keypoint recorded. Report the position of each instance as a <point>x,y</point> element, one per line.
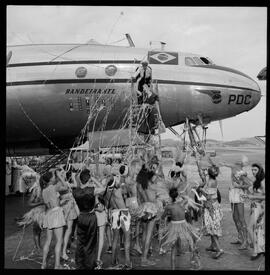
<point>232,259</point>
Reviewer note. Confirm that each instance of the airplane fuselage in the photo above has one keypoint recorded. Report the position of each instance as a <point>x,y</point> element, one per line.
<point>52,88</point>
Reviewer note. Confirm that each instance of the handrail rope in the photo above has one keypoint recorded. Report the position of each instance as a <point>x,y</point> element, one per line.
<point>109,36</point>
<point>118,40</point>
<point>124,122</point>
<point>113,138</point>
<point>106,116</point>
<point>96,116</point>
<point>108,110</point>
<point>82,132</point>
<point>19,244</point>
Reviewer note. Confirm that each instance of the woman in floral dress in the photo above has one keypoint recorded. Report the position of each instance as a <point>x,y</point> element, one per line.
<point>212,214</point>
<point>256,225</point>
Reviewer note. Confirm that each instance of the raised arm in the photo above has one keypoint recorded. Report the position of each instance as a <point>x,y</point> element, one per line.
<point>61,185</point>
<point>74,181</point>
<point>165,213</point>
<point>99,190</point>
<point>136,75</point>
<point>97,182</point>
<point>33,199</point>
<point>201,173</point>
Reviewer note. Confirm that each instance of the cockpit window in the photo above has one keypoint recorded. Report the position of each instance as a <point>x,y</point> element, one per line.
<point>9,56</point>
<point>210,61</point>
<point>205,60</point>
<point>193,61</point>
<point>189,61</point>
<point>198,61</point>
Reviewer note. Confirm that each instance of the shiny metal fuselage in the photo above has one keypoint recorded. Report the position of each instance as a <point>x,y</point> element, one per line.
<point>57,100</point>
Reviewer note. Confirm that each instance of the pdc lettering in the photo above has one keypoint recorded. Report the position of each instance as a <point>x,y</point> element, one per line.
<point>239,99</point>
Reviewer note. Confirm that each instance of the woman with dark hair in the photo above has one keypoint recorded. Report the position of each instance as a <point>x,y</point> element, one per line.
<point>148,208</point>
<point>180,233</point>
<point>256,227</point>
<point>212,214</point>
<point>71,210</point>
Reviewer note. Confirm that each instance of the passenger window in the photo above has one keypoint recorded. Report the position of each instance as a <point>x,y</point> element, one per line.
<point>189,61</point>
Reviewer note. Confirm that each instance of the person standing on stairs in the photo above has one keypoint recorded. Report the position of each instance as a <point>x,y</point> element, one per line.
<point>143,75</point>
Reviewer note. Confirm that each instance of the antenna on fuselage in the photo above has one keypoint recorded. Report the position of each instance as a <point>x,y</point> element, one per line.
<point>162,44</point>
<point>130,42</point>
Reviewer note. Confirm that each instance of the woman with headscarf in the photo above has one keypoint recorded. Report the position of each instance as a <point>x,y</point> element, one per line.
<point>256,227</point>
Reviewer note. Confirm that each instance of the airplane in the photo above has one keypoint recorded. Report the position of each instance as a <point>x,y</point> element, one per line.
<point>262,74</point>
<point>51,88</point>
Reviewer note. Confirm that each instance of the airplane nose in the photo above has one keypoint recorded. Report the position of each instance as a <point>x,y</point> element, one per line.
<point>256,93</point>
<point>250,87</point>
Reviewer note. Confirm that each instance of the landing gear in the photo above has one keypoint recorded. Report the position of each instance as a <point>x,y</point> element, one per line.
<point>196,143</point>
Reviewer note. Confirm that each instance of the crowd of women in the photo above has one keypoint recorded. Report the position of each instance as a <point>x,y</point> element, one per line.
<point>131,203</point>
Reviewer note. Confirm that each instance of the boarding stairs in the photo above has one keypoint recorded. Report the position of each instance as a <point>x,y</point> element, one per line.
<point>136,113</point>
<point>51,162</point>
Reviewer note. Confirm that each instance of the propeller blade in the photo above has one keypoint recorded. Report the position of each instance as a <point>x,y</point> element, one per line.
<point>9,56</point>
<point>221,128</point>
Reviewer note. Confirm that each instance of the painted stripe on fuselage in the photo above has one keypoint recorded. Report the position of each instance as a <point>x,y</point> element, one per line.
<point>74,62</point>
<point>119,80</point>
<point>221,68</point>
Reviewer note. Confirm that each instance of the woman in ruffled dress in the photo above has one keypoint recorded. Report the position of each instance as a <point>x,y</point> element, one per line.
<point>256,227</point>
<point>54,219</point>
<point>35,216</point>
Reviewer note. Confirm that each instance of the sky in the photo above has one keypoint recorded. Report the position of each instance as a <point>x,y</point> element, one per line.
<point>231,36</point>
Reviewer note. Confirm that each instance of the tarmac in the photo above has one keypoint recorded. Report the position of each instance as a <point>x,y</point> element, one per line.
<point>18,247</point>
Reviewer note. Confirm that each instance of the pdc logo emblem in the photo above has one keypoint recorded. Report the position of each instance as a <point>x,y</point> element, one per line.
<point>81,72</point>
<point>215,95</point>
